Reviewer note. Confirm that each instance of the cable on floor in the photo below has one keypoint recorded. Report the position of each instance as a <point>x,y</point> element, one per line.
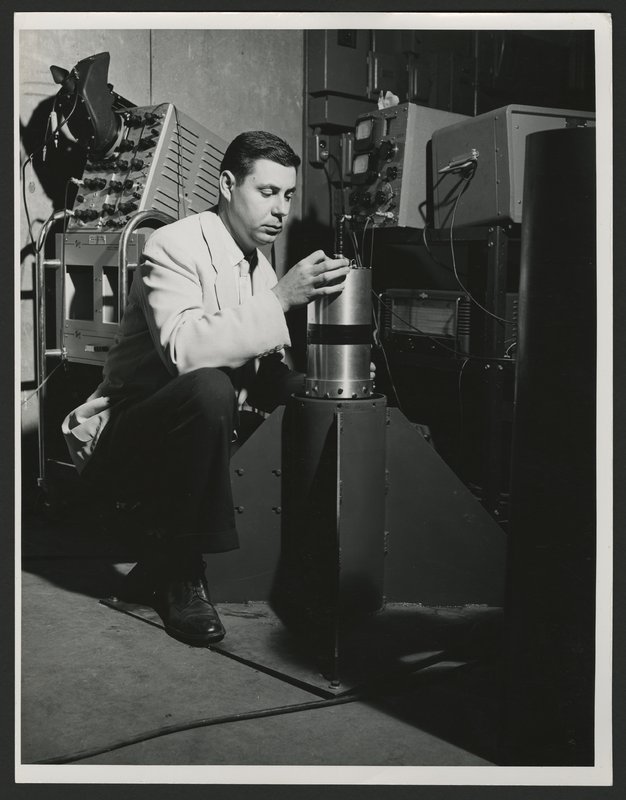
<point>366,692</point>
<point>201,723</point>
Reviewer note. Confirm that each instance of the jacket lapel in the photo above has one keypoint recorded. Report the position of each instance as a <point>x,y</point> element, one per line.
<point>221,260</point>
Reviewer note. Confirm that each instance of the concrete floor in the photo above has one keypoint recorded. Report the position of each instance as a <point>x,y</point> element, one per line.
<point>91,676</point>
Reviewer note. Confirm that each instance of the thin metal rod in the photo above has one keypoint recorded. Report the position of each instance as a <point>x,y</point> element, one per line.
<point>476,72</point>
<point>335,681</point>
<point>40,302</point>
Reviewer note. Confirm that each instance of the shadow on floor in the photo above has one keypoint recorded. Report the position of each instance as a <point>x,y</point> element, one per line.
<point>75,545</point>
<point>462,706</point>
<point>437,669</point>
<point>458,700</point>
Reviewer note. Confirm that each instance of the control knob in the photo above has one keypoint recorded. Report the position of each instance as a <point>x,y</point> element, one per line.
<point>94,183</point>
<point>86,214</point>
<point>387,150</point>
<point>392,173</point>
<point>146,142</point>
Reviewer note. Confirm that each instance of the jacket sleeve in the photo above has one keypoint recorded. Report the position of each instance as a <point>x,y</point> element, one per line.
<point>188,335</point>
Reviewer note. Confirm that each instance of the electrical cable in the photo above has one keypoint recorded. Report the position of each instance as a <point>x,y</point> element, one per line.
<point>376,332</point>
<point>355,245</point>
<point>466,182</point>
<point>384,352</point>
<point>368,219</point>
<point>52,111</point>
<point>461,420</point>
<point>46,221</point>
<point>30,158</point>
<point>378,338</point>
<point>376,688</point>
<point>63,265</point>
<point>339,171</point>
<point>430,252</point>
<point>393,313</point>
<point>331,202</point>
<point>397,316</point>
<point>39,388</point>
<point>28,219</point>
<point>351,233</point>
<point>471,162</point>
<point>179,165</point>
<point>60,332</point>
<point>436,341</point>
<point>202,723</point>
<point>509,348</point>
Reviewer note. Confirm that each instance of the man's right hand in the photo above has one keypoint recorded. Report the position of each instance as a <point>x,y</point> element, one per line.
<point>314,276</point>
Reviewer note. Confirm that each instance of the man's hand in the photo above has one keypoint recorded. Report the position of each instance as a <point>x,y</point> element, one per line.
<point>314,276</point>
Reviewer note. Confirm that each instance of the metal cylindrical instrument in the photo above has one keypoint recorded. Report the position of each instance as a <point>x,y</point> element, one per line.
<point>339,340</point>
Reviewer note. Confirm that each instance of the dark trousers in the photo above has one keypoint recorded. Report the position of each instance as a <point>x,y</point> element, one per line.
<point>170,452</point>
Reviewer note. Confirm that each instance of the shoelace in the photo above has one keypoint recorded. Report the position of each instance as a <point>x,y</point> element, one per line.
<point>197,587</point>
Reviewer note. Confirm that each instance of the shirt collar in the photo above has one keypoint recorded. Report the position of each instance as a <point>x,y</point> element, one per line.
<point>232,252</point>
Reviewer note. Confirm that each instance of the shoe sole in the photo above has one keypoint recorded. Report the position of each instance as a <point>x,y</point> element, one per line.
<point>197,639</point>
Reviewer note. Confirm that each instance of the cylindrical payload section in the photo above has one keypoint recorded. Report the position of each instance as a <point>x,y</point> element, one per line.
<point>339,337</point>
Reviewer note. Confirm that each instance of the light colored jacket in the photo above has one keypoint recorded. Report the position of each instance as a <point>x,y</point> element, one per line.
<point>183,313</point>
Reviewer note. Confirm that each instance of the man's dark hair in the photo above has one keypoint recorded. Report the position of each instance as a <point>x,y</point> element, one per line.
<point>248,147</point>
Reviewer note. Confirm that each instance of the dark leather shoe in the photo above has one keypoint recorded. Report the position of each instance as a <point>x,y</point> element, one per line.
<point>187,611</point>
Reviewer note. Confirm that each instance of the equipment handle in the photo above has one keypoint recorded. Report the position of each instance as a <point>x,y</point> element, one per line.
<point>130,227</point>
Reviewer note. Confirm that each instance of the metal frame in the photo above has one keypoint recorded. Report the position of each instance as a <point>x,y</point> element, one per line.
<point>497,254</point>
<point>40,294</point>
<point>492,242</point>
<point>41,264</point>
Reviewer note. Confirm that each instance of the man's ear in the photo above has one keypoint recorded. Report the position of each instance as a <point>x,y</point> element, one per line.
<point>227,181</point>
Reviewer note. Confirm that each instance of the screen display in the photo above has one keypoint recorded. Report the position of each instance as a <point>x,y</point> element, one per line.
<point>363,129</point>
<point>430,317</point>
<point>360,164</point>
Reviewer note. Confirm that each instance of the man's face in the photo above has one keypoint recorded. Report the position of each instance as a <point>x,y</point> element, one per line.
<point>254,209</point>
